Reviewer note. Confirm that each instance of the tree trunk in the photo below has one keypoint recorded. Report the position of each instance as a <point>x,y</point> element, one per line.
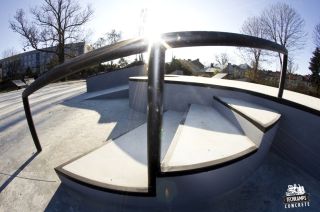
<point>61,57</point>
<point>280,59</point>
<point>255,70</point>
<point>256,65</point>
<point>61,53</point>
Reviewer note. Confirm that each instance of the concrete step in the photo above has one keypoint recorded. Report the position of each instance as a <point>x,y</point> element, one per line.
<point>121,164</point>
<point>264,118</point>
<point>257,122</point>
<point>205,139</point>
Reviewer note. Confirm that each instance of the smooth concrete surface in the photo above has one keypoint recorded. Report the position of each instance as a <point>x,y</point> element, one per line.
<point>243,124</point>
<point>262,115</point>
<point>115,92</point>
<point>253,111</point>
<point>138,96</point>
<point>297,139</point>
<point>66,125</point>
<point>121,164</point>
<point>206,138</point>
<point>28,182</point>
<point>112,79</point>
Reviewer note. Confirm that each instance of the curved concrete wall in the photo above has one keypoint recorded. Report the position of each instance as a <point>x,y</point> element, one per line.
<point>297,139</point>
<point>182,192</point>
<point>114,78</point>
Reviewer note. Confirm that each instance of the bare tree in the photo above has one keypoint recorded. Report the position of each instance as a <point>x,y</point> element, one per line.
<point>317,35</point>
<point>14,64</point>
<point>99,43</point>
<point>283,25</point>
<point>110,38</point>
<point>222,59</point>
<point>253,26</point>
<point>55,23</point>
<point>113,36</point>
<point>9,52</point>
<point>292,67</point>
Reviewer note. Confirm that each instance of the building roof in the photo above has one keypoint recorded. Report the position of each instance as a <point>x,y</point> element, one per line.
<point>192,65</point>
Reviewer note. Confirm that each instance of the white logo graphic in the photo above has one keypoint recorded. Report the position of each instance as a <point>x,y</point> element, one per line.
<point>296,197</point>
<point>295,190</point>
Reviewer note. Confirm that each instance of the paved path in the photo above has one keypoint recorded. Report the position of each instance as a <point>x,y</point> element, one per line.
<point>66,126</point>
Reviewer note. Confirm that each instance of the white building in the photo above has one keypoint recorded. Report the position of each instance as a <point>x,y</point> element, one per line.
<point>37,62</point>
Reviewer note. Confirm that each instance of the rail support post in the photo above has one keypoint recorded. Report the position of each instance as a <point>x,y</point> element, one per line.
<point>155,110</point>
<point>31,124</point>
<point>283,75</point>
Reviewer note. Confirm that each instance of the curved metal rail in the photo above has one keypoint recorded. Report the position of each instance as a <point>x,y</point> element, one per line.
<point>155,75</point>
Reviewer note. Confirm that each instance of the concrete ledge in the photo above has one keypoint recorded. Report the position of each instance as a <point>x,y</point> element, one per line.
<point>111,93</point>
<point>113,79</point>
<point>250,128</point>
<point>261,117</point>
<point>292,99</point>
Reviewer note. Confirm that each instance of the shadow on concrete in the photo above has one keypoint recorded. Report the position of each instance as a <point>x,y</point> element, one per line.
<point>66,199</point>
<point>63,200</point>
<point>115,111</point>
<point>36,107</point>
<point>17,172</point>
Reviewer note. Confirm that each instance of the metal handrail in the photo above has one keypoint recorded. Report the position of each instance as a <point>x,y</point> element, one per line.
<point>155,75</point>
<point>136,46</point>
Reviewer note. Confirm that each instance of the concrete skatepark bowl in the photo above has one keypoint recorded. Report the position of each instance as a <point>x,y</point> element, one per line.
<point>202,138</point>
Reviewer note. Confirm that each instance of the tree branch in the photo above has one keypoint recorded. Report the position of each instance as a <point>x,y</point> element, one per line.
<point>54,23</point>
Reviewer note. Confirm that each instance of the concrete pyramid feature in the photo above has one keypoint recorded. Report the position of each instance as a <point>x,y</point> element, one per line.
<point>212,141</point>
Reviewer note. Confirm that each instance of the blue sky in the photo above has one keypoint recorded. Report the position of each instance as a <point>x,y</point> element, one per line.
<point>208,15</point>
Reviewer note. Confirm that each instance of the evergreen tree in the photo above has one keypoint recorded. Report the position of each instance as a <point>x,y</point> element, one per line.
<point>315,66</point>
<point>122,63</point>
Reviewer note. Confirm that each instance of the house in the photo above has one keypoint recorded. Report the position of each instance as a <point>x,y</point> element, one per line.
<point>192,66</point>
<point>213,68</point>
<point>198,64</point>
<point>236,71</point>
<point>185,67</point>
